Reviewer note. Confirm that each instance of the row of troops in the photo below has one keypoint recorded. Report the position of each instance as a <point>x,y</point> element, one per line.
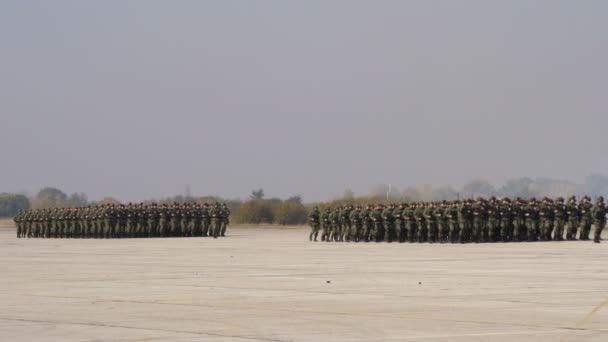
<point>481,220</point>
<point>125,221</point>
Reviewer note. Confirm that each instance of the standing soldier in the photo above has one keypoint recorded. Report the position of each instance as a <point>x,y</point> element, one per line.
<point>326,224</point>
<point>493,229</point>
<point>532,220</point>
<point>421,223</point>
<point>388,224</point>
<point>153,220</point>
<point>121,221</point>
<point>206,219</point>
<point>376,217</point>
<point>599,218</point>
<point>519,220</point>
<point>410,221</point>
<point>573,218</point>
<point>464,211</point>
<point>451,214</point>
<point>506,220</point>
<point>431,223</point>
<point>334,218</point>
<point>367,223</point>
<point>174,220</point>
<point>184,218</point>
<point>586,218</point>
<point>314,220</point>
<point>478,210</point>
<point>559,219</point>
<point>225,218</point>
<point>546,219</point>
<point>400,223</point>
<point>443,224</point>
<point>357,223</point>
<point>216,220</point>
<point>17,220</point>
<point>197,220</point>
<point>346,224</point>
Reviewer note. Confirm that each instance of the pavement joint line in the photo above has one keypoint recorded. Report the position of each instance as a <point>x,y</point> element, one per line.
<point>140,328</point>
<point>595,310</point>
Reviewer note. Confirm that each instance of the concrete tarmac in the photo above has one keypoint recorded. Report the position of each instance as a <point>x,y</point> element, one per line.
<point>274,285</point>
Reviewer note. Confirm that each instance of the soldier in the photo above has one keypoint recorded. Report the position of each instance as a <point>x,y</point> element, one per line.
<point>451,221</point>
<point>586,218</point>
<point>559,219</point>
<point>367,223</point>
<point>443,222</point>
<point>197,220</point>
<point>225,218</point>
<point>334,218</point>
<point>216,220</point>
<point>376,217</point>
<point>519,220</point>
<point>506,220</point>
<point>573,215</point>
<point>153,221</point>
<point>400,223</point>
<point>493,230</point>
<point>410,221</point>
<point>532,220</point>
<point>421,223</point>
<point>546,219</point>
<point>465,213</point>
<point>314,220</point>
<point>357,223</point>
<point>478,209</point>
<point>174,220</point>
<point>388,224</point>
<point>206,219</point>
<point>346,224</point>
<point>431,223</point>
<point>599,218</point>
<point>326,224</point>
<point>184,219</point>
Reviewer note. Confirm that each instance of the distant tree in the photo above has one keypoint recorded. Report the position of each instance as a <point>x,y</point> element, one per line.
<point>255,211</point>
<point>444,193</point>
<point>10,204</point>
<point>296,199</point>
<point>519,187</point>
<point>49,198</point>
<point>478,188</point>
<point>77,200</point>
<point>257,194</point>
<point>290,212</point>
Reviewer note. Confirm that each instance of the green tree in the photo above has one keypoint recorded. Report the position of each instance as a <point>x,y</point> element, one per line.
<point>49,198</point>
<point>291,211</point>
<point>10,204</point>
<point>257,194</point>
<point>255,211</point>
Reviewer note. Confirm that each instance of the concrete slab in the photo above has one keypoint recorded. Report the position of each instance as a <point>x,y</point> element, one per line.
<point>274,285</point>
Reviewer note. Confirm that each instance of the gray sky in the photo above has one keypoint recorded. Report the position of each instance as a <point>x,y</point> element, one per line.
<point>137,99</point>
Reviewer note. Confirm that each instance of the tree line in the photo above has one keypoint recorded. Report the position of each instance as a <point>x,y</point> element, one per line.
<point>258,209</point>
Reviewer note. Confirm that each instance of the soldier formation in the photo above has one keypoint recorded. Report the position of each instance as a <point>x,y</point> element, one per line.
<point>125,221</point>
<point>467,221</point>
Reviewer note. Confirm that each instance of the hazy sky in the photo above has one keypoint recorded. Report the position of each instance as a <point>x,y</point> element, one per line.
<point>137,99</point>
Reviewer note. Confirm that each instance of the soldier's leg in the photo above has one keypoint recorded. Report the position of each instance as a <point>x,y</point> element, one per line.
<point>599,227</point>
<point>581,230</point>
<point>558,234</point>
<point>422,232</point>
